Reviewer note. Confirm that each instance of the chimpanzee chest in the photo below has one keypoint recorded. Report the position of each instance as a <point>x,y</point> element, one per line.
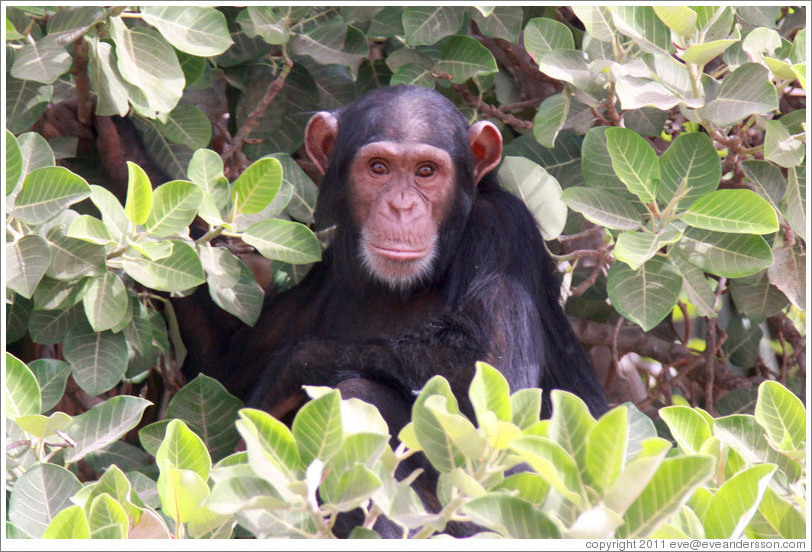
<point>361,317</point>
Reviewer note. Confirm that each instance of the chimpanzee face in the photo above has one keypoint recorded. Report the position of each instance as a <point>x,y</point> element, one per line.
<point>402,159</point>
<point>400,194</point>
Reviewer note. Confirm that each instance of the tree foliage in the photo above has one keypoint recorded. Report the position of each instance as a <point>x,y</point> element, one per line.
<point>661,149</point>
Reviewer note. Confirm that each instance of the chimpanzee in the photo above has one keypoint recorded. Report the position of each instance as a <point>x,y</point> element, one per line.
<point>431,267</point>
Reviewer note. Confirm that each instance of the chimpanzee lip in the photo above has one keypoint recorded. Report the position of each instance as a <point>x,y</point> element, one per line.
<point>399,252</point>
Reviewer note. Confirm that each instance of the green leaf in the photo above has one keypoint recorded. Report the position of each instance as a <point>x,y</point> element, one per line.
<point>98,360</point>
<point>435,442</point>
<point>701,54</point>
<point>284,240</point>
<point>735,211</point>
<point>429,24</point>
<point>187,124</point>
<point>597,20</point>
<point>354,486</point>
<point>640,92</point>
<point>503,22</point>
<point>39,495</point>
<point>46,192</point>
<point>464,57</point>
<point>178,272</point>
<point>105,302</point>
<point>605,449</point>
<point>112,213</point>
<point>460,431</point>
<point>40,426</point>
<point>696,286</point>
<point>793,204</point>
<point>776,519</point>
<point>634,161</point>
<point>413,74</point>
<point>271,446</point>
<point>570,425</point>
<point>596,164</point>
<point>72,258</point>
<point>539,190</point>
<point>28,259</point>
<point>638,471</point>
<point>26,102</point>
<point>550,119</point>
<point>788,273</point>
<point>551,462</point>
<point>200,31</point>
<point>139,194</point>
<point>271,24</point>
<point>233,494</point>
<point>43,61</point>
<point>105,79</point>
<point>604,207</point>
<point>174,206</point>
<point>543,35</point>
<point>767,179</point>
<point>181,492</point>
<point>647,295</point>
<point>526,407</point>
<point>635,248</point>
<point>780,147</point>
<point>103,424</point>
<point>210,411</point>
<point>149,64</point>
<point>670,488</point>
<point>782,416</point>
<point>317,428</point>
<point>570,66</point>
<point>680,19</point>
<point>334,42</point>
<point>52,374</point>
<point>743,434</point>
<point>689,428</point>
<point>182,449</point>
<point>90,229</point>
<point>643,25</point>
<point>22,390</point>
<point>14,162</point>
<point>744,92</point>
<point>490,392</point>
<point>69,523</point>
<point>257,185</point>
<point>49,327</point>
<point>735,503</point>
<point>728,255</point>
<point>107,518</point>
<point>231,283</point>
<point>691,160</point>
<point>511,517</point>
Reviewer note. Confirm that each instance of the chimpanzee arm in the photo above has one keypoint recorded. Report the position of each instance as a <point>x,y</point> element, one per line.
<point>448,345</point>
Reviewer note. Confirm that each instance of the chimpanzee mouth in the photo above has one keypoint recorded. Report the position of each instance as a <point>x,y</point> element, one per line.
<point>399,253</point>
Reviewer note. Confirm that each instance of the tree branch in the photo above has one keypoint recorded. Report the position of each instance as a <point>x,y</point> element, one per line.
<point>252,120</point>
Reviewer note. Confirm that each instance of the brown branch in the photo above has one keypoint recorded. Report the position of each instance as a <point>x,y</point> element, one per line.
<point>236,143</point>
<point>490,110</point>
<point>633,339</point>
<point>82,81</point>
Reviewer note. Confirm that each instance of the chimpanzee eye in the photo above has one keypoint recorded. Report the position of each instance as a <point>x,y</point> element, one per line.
<point>378,167</point>
<point>425,171</point>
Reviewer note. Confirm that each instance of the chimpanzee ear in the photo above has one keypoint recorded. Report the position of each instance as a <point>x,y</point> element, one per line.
<point>320,136</point>
<point>486,145</point>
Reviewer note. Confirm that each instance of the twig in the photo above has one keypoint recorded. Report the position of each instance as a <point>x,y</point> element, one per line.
<point>613,366</point>
<point>711,349</point>
<point>252,120</point>
<point>490,110</point>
